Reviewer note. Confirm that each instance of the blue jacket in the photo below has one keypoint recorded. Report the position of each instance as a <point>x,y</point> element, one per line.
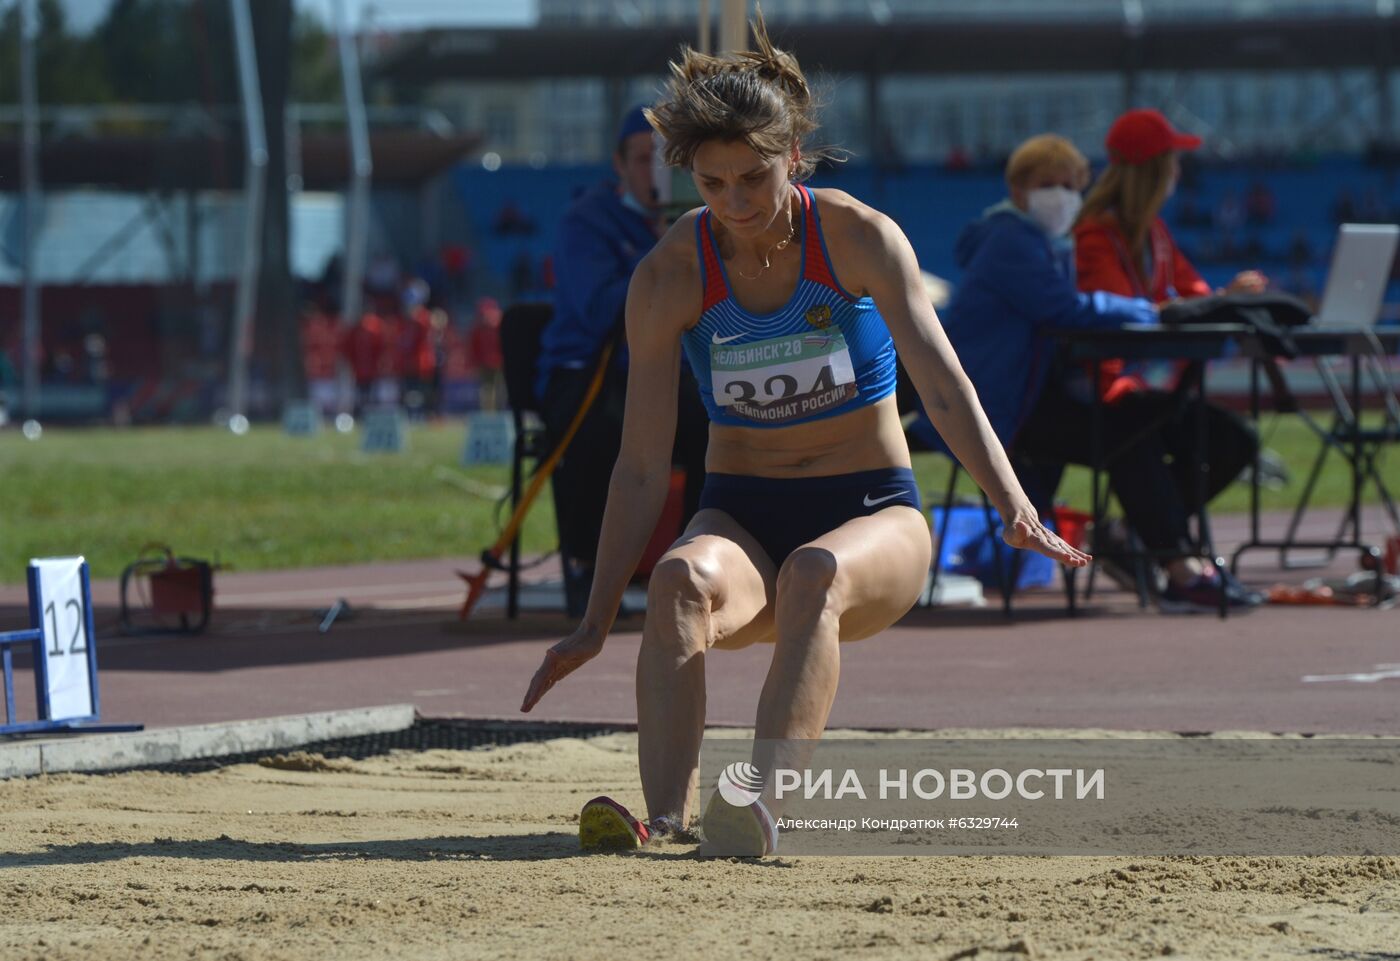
<point>600,243</point>
<point>1017,284</point>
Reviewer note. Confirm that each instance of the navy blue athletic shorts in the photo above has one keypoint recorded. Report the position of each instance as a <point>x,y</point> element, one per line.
<point>784,513</point>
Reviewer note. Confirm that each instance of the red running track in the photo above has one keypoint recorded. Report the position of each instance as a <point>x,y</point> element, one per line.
<point>1114,667</point>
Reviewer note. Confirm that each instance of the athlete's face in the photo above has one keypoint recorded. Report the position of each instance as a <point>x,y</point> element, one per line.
<point>745,190</point>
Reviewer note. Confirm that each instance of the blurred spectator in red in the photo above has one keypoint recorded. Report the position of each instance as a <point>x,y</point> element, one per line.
<point>438,326</point>
<point>417,361</point>
<point>362,345</point>
<point>388,385</point>
<point>486,354</point>
<point>320,348</point>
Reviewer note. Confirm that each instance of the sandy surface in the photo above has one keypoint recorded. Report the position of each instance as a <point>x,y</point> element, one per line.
<point>450,854</point>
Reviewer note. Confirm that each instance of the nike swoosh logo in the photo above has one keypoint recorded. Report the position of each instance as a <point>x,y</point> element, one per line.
<point>880,500</point>
<point>717,339</point>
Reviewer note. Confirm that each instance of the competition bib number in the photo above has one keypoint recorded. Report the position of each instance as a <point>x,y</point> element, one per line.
<point>785,378</point>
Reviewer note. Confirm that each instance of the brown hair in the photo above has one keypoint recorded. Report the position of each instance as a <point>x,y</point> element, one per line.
<point>759,97</point>
<point>1133,193</point>
<point>1046,151</point>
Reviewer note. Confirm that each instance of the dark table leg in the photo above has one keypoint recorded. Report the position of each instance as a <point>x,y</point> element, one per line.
<point>1205,543</point>
<point>1357,478</point>
<point>1096,507</point>
<point>1254,479</point>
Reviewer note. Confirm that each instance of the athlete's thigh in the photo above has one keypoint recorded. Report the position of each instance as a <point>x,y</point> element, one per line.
<point>746,578</point>
<point>882,563</point>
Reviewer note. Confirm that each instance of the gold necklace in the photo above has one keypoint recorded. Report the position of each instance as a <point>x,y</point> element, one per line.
<point>779,246</point>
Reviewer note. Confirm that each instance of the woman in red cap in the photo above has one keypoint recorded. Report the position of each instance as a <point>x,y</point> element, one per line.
<point>1123,247</point>
<point>1121,244</point>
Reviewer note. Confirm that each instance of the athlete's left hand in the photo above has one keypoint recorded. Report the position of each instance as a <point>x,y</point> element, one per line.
<point>560,661</point>
<point>1025,530</point>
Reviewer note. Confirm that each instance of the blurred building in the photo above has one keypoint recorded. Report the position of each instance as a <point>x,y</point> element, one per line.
<point>1277,77</point>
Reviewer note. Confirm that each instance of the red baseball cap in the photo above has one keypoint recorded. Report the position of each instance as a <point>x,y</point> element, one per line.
<point>1139,135</point>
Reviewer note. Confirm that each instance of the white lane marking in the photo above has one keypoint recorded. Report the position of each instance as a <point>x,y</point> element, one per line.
<point>1381,672</point>
<point>330,592</point>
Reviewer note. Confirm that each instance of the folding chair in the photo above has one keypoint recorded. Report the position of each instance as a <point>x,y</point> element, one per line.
<point>1007,576</point>
<point>911,408</point>
<point>1359,446</point>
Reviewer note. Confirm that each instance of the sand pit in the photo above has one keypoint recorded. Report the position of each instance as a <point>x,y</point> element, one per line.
<point>472,854</point>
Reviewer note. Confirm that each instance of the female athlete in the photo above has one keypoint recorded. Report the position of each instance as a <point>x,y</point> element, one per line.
<point>788,304</point>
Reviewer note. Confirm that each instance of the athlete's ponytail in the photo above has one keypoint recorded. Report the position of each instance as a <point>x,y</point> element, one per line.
<point>758,96</point>
<point>776,66</point>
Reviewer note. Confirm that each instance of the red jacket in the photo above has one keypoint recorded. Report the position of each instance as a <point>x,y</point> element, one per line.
<point>362,346</point>
<point>1103,261</point>
<point>417,358</point>
<point>320,345</point>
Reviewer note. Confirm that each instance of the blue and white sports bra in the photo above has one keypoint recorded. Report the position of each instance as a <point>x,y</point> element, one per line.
<point>823,354</point>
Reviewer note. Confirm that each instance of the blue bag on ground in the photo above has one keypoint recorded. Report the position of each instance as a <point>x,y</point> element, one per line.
<point>968,549</point>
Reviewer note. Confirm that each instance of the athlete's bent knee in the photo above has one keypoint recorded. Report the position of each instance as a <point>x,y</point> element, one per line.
<point>810,571</point>
<point>686,577</point>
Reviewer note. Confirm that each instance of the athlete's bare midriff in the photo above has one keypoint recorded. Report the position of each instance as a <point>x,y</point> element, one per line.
<point>868,438</point>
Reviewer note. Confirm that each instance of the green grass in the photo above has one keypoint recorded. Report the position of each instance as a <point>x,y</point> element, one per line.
<point>261,501</point>
<point>267,501</point>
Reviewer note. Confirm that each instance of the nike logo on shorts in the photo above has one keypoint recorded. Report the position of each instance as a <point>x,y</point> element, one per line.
<point>871,502</point>
<point>717,339</point>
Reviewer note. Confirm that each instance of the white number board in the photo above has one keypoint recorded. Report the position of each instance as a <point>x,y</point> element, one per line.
<point>58,589</point>
<point>490,439</point>
<point>384,430</point>
<point>300,419</point>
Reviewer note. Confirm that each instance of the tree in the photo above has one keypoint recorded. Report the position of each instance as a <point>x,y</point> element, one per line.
<point>315,64</point>
<point>68,69</point>
<point>148,54</point>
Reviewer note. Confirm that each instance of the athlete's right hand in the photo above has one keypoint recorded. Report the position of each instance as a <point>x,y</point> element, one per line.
<point>560,661</point>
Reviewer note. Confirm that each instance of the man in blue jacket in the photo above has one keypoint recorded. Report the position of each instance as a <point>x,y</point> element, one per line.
<point>602,238</point>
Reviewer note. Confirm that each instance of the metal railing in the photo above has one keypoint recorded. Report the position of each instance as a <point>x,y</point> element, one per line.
<point>637,13</point>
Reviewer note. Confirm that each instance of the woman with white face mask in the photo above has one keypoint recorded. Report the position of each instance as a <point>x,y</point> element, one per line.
<point>1018,284</point>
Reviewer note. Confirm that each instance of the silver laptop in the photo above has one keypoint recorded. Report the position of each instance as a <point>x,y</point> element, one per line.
<point>1361,264</point>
